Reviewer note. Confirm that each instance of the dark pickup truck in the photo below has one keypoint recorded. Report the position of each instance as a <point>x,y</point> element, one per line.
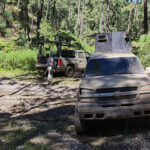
<point>68,62</point>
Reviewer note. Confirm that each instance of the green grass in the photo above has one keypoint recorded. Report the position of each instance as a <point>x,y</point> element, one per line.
<point>13,135</point>
<point>11,73</point>
<point>20,59</point>
<point>19,137</point>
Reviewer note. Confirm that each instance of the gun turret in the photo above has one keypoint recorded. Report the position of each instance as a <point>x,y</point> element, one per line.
<point>113,42</point>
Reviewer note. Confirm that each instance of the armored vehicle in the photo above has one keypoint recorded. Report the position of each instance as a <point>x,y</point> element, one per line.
<point>114,85</point>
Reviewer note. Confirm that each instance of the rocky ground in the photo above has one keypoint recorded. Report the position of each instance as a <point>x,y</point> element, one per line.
<point>40,116</point>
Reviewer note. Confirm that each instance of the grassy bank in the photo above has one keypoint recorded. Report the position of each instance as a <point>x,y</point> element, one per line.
<point>20,59</point>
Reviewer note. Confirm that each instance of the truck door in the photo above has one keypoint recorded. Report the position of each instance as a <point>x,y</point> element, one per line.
<point>81,60</point>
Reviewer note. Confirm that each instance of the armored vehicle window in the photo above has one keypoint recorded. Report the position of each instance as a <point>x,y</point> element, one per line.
<point>110,66</point>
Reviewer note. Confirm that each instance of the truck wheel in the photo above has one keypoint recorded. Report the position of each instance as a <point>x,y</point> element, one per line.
<point>69,71</point>
<point>79,125</point>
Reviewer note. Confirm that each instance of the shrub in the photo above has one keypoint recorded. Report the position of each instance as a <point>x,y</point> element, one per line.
<point>22,41</point>
<point>20,59</point>
<point>2,23</point>
<point>7,46</point>
<point>8,16</point>
<point>7,32</point>
<point>145,60</point>
<point>143,50</point>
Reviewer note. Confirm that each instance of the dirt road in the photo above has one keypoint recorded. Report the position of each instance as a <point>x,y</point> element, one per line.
<point>40,116</point>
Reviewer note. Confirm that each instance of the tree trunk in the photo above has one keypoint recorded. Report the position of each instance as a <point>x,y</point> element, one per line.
<point>4,6</point>
<point>69,10</point>
<point>130,14</point>
<point>82,20</point>
<point>27,24</point>
<point>47,10</point>
<point>18,4</point>
<point>107,15</point>
<point>39,17</point>
<point>79,23</point>
<point>145,18</point>
<point>102,17</point>
<point>31,22</point>
<point>53,13</point>
<point>136,11</point>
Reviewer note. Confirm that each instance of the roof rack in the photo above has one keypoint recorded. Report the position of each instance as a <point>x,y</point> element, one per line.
<point>115,42</point>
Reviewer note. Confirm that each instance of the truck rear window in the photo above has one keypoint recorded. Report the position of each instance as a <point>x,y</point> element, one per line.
<point>68,54</point>
<point>110,66</point>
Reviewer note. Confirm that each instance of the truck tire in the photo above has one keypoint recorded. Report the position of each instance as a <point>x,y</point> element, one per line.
<point>69,71</point>
<point>80,127</point>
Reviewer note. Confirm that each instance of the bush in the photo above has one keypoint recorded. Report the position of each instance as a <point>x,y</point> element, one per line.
<point>22,41</point>
<point>8,32</point>
<point>8,16</point>
<point>7,46</point>
<point>2,23</point>
<point>145,60</point>
<point>143,49</point>
<point>20,59</point>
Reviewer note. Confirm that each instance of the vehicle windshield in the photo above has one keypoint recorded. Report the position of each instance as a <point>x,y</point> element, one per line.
<point>110,66</point>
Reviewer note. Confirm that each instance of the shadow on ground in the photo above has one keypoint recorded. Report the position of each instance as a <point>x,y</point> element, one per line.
<point>46,121</point>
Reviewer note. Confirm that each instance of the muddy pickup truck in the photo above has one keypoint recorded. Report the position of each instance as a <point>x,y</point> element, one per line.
<point>68,62</point>
<point>114,86</point>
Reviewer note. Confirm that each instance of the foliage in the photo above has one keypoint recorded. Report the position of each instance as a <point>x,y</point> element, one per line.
<point>2,23</point>
<point>19,22</point>
<point>20,59</point>
<point>8,32</point>
<point>143,49</point>
<point>8,16</point>
<point>7,46</point>
<point>22,40</point>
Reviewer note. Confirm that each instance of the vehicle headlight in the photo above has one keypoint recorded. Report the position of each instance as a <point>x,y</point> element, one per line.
<point>86,91</point>
<point>146,92</point>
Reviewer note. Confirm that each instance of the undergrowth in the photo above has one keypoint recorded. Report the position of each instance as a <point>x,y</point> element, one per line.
<point>13,57</point>
<point>143,50</point>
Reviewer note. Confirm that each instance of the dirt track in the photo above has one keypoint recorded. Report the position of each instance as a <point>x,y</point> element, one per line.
<point>49,110</point>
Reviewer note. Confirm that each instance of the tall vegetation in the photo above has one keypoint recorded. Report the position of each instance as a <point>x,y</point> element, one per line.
<point>28,21</point>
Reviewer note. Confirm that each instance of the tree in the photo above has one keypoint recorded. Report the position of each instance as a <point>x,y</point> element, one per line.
<point>82,19</point>
<point>130,15</point>
<point>4,6</point>
<point>79,22</point>
<point>107,15</point>
<point>39,18</point>
<point>136,11</point>
<point>102,17</point>
<point>18,4</point>
<point>47,10</point>
<point>145,18</point>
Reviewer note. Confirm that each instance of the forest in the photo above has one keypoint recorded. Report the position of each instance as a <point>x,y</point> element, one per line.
<point>23,23</point>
